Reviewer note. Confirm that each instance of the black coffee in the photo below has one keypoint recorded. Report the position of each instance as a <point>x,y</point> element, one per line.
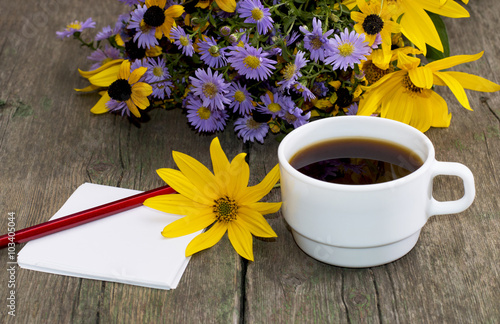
<point>356,161</point>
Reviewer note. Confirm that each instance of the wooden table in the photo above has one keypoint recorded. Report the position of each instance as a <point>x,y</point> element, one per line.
<point>50,144</point>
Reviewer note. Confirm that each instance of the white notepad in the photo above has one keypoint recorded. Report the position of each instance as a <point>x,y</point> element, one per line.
<point>126,247</point>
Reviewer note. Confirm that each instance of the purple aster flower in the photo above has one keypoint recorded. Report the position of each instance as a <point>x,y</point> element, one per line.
<point>294,117</point>
<point>211,89</point>
<point>291,38</point>
<point>103,56</point>
<point>275,104</point>
<point>316,42</point>
<point>145,35</point>
<point>118,107</point>
<point>255,13</point>
<point>291,72</point>
<point>347,50</point>
<point>352,109</point>
<point>158,76</point>
<point>121,22</point>
<point>105,33</point>
<point>241,101</point>
<point>319,89</point>
<point>304,91</point>
<point>202,118</point>
<point>161,89</point>
<point>182,41</point>
<point>157,70</point>
<point>250,130</point>
<point>251,62</point>
<point>137,64</point>
<point>75,27</point>
<point>212,54</point>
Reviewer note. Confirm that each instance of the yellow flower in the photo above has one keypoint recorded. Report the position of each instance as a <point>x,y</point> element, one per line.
<point>123,86</point>
<point>406,95</point>
<point>163,20</point>
<point>375,19</point>
<point>221,198</point>
<point>416,24</point>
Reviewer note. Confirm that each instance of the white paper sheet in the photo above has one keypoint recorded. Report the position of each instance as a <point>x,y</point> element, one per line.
<point>126,247</point>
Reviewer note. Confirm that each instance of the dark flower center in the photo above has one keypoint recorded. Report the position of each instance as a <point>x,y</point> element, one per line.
<point>154,16</point>
<point>225,209</point>
<point>133,51</point>
<point>373,24</point>
<point>344,98</point>
<point>260,117</point>
<point>120,90</point>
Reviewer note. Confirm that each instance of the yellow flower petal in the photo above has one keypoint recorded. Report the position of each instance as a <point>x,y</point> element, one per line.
<point>142,89</point>
<point>419,28</point>
<point>105,77</point>
<point>220,163</point>
<point>226,5</point>
<point>440,115</point>
<point>197,174</point>
<point>173,204</point>
<point>125,70</point>
<point>241,239</point>
<point>189,224</point>
<point>265,207</point>
<point>133,108</point>
<point>421,77</point>
<point>100,106</point>
<point>239,174</point>
<point>254,222</point>
<point>203,4</point>
<point>398,107</point>
<point>471,82</point>
<point>174,11</point>
<point>180,183</point>
<point>455,87</point>
<point>88,88</point>
<point>406,62</point>
<point>422,113</point>
<point>207,239</point>
<point>140,101</point>
<point>88,74</point>
<point>451,61</point>
<point>255,193</point>
<point>378,91</point>
<point>449,9</point>
<point>137,74</point>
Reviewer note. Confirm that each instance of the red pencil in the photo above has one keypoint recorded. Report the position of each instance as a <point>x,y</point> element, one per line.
<point>81,217</point>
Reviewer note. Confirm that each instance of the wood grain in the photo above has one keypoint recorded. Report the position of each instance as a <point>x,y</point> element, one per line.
<point>50,143</point>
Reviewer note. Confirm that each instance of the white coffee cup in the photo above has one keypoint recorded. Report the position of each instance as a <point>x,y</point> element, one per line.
<point>363,225</point>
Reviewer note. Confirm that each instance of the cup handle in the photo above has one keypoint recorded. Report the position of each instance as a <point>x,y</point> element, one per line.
<point>455,206</point>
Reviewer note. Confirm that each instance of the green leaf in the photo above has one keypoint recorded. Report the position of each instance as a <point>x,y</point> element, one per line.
<point>432,53</point>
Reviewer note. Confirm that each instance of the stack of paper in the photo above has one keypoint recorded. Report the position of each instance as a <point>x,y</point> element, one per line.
<point>126,247</point>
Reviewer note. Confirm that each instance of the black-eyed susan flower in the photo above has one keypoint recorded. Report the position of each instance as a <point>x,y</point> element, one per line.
<point>151,21</point>
<point>374,21</point>
<point>406,95</point>
<point>221,199</point>
<point>125,93</point>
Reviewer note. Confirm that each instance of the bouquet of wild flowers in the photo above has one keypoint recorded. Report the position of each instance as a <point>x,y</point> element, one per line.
<point>275,65</point>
